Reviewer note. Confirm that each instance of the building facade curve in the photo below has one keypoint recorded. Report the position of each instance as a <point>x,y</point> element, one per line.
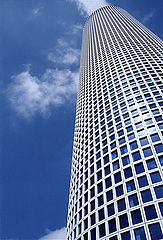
<point>116,187</point>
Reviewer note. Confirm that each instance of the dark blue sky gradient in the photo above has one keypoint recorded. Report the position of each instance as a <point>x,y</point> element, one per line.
<point>35,154</point>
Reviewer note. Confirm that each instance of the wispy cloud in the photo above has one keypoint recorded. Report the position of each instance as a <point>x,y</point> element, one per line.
<point>37,11</point>
<point>64,54</point>
<point>55,235</point>
<point>87,7</point>
<point>76,28</point>
<point>147,17</point>
<point>29,94</point>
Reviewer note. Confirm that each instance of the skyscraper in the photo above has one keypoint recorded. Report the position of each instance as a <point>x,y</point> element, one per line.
<point>116,187</point>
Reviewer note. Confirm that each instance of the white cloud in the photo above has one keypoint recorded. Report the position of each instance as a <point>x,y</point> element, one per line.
<point>55,235</point>
<point>64,54</point>
<point>88,6</point>
<point>29,94</point>
<point>147,17</point>
<point>76,28</point>
<point>70,29</point>
<point>37,11</point>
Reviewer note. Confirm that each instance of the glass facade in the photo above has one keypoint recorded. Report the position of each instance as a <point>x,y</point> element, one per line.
<point>116,187</point>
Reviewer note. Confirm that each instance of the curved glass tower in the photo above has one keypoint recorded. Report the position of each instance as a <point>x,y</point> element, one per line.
<point>116,188</point>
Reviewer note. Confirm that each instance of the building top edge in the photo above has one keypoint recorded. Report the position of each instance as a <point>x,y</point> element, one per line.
<point>107,6</point>
<point>99,9</point>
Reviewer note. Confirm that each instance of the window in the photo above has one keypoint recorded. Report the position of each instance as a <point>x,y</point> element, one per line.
<point>92,192</point>
<point>93,219</point>
<point>101,214</point>
<point>106,159</point>
<point>98,155</point>
<point>159,118</point>
<point>155,138</point>
<point>86,236</point>
<point>121,141</point>
<point>125,160</point>
<point>114,238</point>
<point>147,152</point>
<point>112,225</point>
<point>102,232</point>
<point>133,145</point>
<point>148,122</point>
<point>127,122</point>
<point>100,200</point>
<point>159,191</point>
<point>136,156</point>
<point>139,168</point>
<point>110,209</point>
<point>113,145</point>
<point>161,160</point>
<point>105,150</point>
<point>126,115</point>
<point>142,181</point>
<point>144,141</point>
<point>108,182</point>
<point>85,210</point>
<point>80,215</point>
<point>139,125</point>
<point>141,133</point>
<point>115,165</point>
<point>160,126</point>
<point>112,137</point>
<point>92,180</point>
<point>150,212</point>
<point>133,200</point>
<point>128,172</point>
<point>117,177</point>
<point>131,136</point>
<point>92,205</point>
<point>107,170</point>
<point>75,233</point>
<point>104,142</point>
<point>155,231</point>
<point>99,175</point>
<point>146,196</point>
<point>126,236</point>
<point>99,187</point>
<point>161,208</point>
<point>109,195</point>
<point>151,164</point>
<point>119,190</point>
<point>93,234</point>
<point>114,154</point>
<point>151,129</point>
<point>98,164</point>
<point>120,133</point>
<point>86,197</point>
<point>136,216</point>
<point>92,169</point>
<point>123,219</point>
<point>124,149</point>
<point>130,186</point>
<point>121,205</point>
<point>159,148</point>
<point>129,129</point>
<point>85,223</point>
<point>140,234</point>
<point>155,177</point>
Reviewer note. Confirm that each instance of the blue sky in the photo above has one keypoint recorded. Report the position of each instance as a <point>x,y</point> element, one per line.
<point>40,46</point>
